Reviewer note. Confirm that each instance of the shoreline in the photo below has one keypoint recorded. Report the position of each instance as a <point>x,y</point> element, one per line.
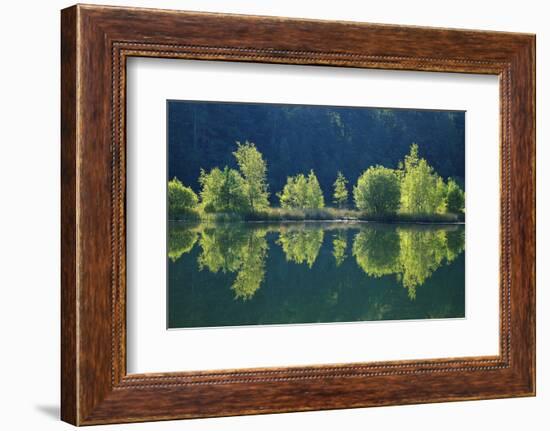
<point>343,221</point>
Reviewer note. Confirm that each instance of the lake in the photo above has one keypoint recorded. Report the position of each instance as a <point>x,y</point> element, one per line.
<point>237,274</point>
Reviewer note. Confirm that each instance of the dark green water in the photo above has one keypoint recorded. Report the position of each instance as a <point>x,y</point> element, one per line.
<point>288,273</point>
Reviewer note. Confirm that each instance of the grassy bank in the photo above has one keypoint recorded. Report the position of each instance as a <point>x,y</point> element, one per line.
<point>280,214</point>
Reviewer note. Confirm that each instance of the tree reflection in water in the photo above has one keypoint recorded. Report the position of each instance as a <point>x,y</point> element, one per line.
<point>376,250</point>
<point>410,253</point>
<point>301,245</point>
<point>237,250</point>
<point>339,246</point>
<point>180,241</point>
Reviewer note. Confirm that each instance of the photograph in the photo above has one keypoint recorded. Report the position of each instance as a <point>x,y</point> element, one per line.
<point>285,214</point>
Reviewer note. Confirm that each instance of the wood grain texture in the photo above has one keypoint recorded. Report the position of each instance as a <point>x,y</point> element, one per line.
<point>69,397</point>
<point>96,41</point>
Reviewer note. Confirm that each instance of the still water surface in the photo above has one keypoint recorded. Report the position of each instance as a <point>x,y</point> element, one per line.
<point>289,273</point>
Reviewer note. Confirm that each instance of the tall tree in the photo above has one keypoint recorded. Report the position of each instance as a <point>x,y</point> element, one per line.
<point>421,187</point>
<point>340,196</point>
<point>315,197</point>
<point>254,171</point>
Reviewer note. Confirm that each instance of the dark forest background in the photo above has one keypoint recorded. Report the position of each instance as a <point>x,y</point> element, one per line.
<point>296,138</point>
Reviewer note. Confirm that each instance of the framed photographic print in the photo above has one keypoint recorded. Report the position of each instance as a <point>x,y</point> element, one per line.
<point>268,215</point>
<point>284,255</point>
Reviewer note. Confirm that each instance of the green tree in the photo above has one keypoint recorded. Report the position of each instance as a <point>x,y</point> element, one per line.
<point>422,190</point>
<point>254,171</point>
<point>455,197</point>
<point>440,196</point>
<point>378,191</point>
<point>294,194</point>
<point>181,199</point>
<point>302,192</point>
<point>315,197</point>
<point>340,196</point>
<point>223,191</point>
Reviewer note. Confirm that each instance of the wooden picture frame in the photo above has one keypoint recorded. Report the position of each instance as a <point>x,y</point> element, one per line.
<point>95,43</point>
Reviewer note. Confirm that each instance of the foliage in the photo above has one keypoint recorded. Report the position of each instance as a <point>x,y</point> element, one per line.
<point>294,194</point>
<point>339,246</point>
<point>377,191</point>
<point>315,197</point>
<point>376,250</point>
<point>302,192</point>
<point>180,241</point>
<point>252,270</point>
<point>220,249</point>
<point>412,254</point>
<point>235,250</point>
<point>413,192</point>
<point>253,168</point>
<point>421,253</point>
<point>455,243</point>
<point>297,138</point>
<point>340,195</point>
<point>455,197</point>
<point>440,196</point>
<point>301,246</point>
<point>422,190</point>
<point>223,191</point>
<point>326,293</point>
<point>181,199</point>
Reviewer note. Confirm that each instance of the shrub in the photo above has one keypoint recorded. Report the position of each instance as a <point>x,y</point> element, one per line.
<point>302,192</point>
<point>223,191</point>
<point>455,197</point>
<point>378,191</point>
<point>181,199</point>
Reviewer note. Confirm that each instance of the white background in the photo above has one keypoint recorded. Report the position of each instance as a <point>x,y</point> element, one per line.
<point>29,220</point>
<point>151,348</point>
